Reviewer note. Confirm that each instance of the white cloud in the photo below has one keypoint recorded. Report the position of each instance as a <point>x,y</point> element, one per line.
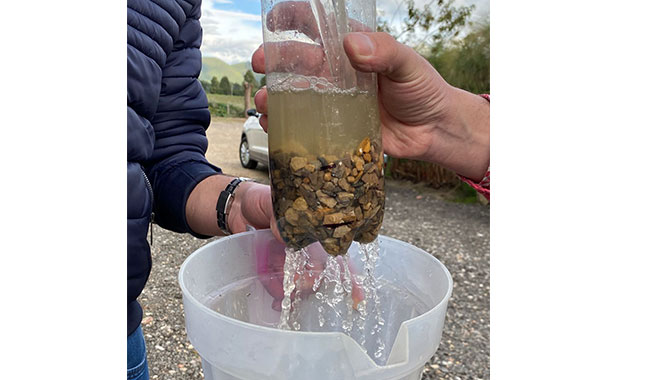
<point>228,35</point>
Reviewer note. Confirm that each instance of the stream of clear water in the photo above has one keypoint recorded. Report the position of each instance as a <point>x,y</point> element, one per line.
<point>346,298</point>
<point>323,294</point>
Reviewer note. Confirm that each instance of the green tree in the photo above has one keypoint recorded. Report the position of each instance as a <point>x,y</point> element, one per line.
<point>434,30</point>
<point>214,85</point>
<point>263,81</point>
<point>465,63</point>
<point>205,85</point>
<point>250,78</point>
<point>433,25</point>
<point>237,89</point>
<point>224,86</point>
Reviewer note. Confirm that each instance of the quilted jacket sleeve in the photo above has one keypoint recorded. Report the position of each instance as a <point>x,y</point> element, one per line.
<point>178,162</point>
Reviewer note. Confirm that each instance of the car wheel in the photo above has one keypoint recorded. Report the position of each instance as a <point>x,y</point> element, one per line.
<point>245,155</point>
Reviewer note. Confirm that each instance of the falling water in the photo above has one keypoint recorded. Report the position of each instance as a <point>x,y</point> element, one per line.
<point>333,288</point>
<point>293,264</point>
<point>369,257</point>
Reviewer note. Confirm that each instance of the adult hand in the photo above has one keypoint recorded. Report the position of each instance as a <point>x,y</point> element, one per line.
<point>422,116</point>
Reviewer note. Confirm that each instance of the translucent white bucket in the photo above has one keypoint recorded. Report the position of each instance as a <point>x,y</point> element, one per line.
<point>233,349</point>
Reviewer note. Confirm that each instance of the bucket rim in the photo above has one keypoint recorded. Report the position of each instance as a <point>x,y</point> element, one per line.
<point>187,295</point>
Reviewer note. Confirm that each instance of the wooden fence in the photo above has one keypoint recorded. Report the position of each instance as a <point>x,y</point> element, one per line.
<point>420,171</point>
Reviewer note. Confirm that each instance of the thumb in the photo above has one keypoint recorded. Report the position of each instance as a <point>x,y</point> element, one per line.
<point>380,53</point>
<point>256,206</point>
<point>258,210</point>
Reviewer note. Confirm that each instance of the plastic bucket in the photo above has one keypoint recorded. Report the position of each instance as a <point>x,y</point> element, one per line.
<point>234,349</point>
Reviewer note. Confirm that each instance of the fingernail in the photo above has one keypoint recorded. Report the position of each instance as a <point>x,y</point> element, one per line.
<point>361,44</point>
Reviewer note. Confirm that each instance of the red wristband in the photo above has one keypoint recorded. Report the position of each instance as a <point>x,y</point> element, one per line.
<point>483,187</point>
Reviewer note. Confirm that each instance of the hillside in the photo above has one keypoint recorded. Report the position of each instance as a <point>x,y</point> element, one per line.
<point>213,66</point>
<point>241,66</point>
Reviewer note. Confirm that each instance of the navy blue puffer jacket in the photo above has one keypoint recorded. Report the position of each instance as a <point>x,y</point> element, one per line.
<point>167,115</point>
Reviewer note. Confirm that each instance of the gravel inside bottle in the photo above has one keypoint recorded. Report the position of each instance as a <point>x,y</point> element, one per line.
<point>327,198</point>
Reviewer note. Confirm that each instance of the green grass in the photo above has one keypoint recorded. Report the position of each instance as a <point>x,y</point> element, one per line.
<point>228,99</point>
<point>465,194</point>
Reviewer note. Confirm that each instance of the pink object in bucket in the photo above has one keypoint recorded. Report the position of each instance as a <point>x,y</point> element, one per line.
<point>270,255</point>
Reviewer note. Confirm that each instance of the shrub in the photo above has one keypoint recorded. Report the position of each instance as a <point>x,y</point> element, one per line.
<point>221,110</point>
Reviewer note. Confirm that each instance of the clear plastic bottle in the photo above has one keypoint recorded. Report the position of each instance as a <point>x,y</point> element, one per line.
<point>325,153</point>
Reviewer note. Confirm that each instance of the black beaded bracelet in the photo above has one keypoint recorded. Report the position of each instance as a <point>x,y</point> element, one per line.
<point>223,204</point>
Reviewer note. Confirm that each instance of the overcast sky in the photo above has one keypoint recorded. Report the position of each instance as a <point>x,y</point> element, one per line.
<point>232,29</point>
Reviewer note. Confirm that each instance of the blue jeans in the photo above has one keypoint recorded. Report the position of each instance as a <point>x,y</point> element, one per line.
<point>136,356</point>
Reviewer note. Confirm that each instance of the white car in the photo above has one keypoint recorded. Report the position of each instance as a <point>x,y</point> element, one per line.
<point>253,146</point>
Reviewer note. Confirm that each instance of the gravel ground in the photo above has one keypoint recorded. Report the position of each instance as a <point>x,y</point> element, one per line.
<point>457,234</point>
<point>224,136</point>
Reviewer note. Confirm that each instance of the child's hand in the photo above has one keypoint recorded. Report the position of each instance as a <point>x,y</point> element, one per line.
<point>270,269</point>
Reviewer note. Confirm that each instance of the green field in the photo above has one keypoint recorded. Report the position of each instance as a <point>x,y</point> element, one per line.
<point>228,99</point>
